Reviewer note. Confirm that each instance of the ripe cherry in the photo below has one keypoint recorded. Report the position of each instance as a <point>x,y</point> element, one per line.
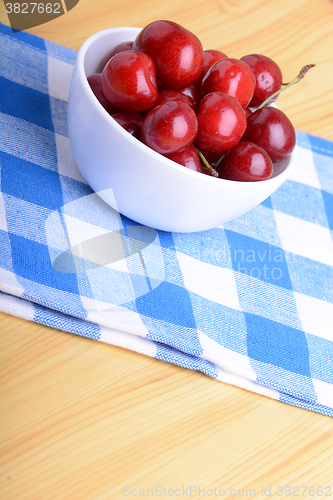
<point>169,127</point>
<point>194,93</point>
<point>271,129</point>
<point>209,58</point>
<point>132,122</point>
<point>118,48</point>
<point>231,76</point>
<point>188,157</point>
<point>129,81</point>
<point>246,162</point>
<point>221,123</point>
<point>95,82</point>
<point>158,75</point>
<point>268,78</point>
<point>174,95</point>
<point>177,53</point>
<point>213,157</point>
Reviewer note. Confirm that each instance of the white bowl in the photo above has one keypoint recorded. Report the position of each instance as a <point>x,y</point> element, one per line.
<point>135,180</point>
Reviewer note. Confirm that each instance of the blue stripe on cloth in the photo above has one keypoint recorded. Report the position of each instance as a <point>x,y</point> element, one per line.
<point>208,246</point>
<point>311,278</point>
<point>30,182</point>
<point>285,382</point>
<point>6,252</point>
<point>259,223</point>
<point>267,203</point>
<point>328,205</point>
<point>323,159</point>
<point>32,228</point>
<point>59,52</point>
<point>169,303</point>
<point>320,145</point>
<point>267,300</point>
<point>64,322</point>
<point>25,64</point>
<point>320,358</point>
<point>36,144</point>
<point>224,325</point>
<point>302,201</point>
<point>29,104</point>
<point>59,115</point>
<point>73,189</point>
<point>285,398</point>
<point>230,294</point>
<point>23,37</point>
<point>179,337</point>
<point>31,261</point>
<point>276,344</point>
<point>258,259</point>
<point>178,358</point>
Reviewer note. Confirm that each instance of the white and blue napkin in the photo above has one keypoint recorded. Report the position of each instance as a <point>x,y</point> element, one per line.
<point>249,303</point>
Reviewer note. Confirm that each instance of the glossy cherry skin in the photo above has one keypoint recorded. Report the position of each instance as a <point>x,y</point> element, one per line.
<point>231,76</point>
<point>246,162</point>
<point>174,95</point>
<point>169,127</point>
<point>191,91</point>
<point>210,57</point>
<point>268,78</point>
<point>221,123</point>
<point>272,130</point>
<point>152,38</point>
<point>194,93</point>
<point>177,53</point>
<point>132,122</point>
<point>95,82</point>
<point>118,48</point>
<point>188,157</point>
<point>129,81</point>
<point>212,157</point>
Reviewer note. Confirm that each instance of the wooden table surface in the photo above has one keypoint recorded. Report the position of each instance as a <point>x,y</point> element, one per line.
<point>88,421</point>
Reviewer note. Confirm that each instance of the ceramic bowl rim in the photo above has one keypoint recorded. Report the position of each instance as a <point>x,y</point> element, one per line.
<point>80,65</point>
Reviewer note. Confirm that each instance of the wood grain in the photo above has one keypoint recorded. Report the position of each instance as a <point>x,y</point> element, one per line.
<point>82,420</point>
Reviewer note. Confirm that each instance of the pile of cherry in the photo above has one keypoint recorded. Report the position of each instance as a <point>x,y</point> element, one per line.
<point>200,108</point>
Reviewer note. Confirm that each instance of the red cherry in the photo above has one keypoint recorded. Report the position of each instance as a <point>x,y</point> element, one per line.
<point>271,129</point>
<point>188,157</point>
<point>95,82</point>
<point>174,95</point>
<point>268,78</point>
<point>209,58</point>
<point>177,53</point>
<point>246,162</point>
<point>231,76</point>
<point>118,48</point>
<point>129,81</point>
<point>221,123</point>
<point>213,157</point>
<point>152,38</point>
<point>169,127</point>
<point>132,122</point>
<point>193,92</point>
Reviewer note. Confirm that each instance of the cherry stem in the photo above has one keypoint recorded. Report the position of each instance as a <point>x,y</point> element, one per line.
<point>207,166</point>
<point>299,77</point>
<point>216,164</point>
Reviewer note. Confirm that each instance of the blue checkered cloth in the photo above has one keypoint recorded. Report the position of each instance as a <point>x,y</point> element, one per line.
<point>249,303</point>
